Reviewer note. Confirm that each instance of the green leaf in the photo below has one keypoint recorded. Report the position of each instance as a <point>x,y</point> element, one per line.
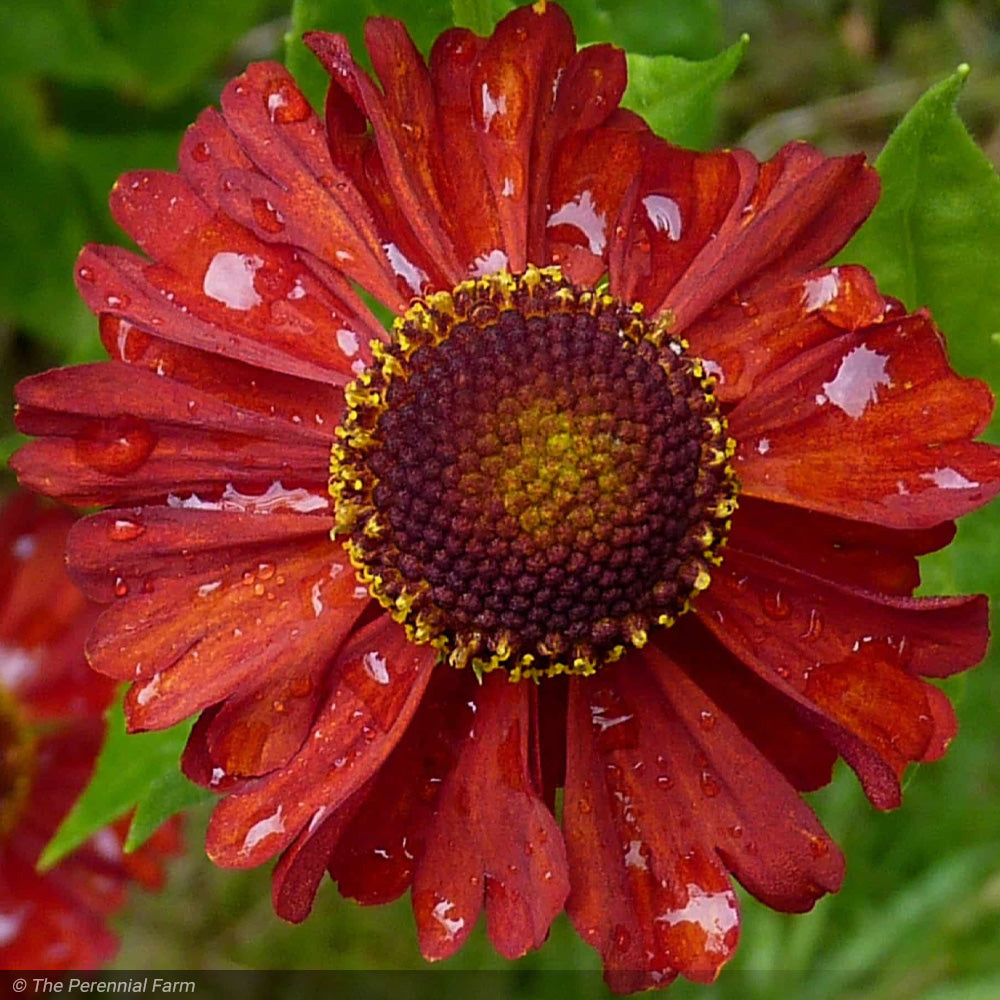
<point>934,238</point>
<point>172,47</point>
<point>58,38</point>
<point>689,28</point>
<point>676,95</point>
<point>934,241</point>
<point>347,17</point>
<point>126,774</point>
<point>481,16</point>
<point>168,795</point>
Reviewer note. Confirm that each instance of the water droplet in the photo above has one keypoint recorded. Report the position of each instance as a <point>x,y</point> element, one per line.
<point>200,152</point>
<point>815,626</point>
<point>706,720</point>
<point>584,806</point>
<point>286,105</point>
<point>85,274</point>
<point>267,216</point>
<point>775,606</point>
<point>124,531</point>
<point>115,447</point>
<point>265,571</point>
<point>665,781</point>
<point>709,786</point>
<point>121,587</point>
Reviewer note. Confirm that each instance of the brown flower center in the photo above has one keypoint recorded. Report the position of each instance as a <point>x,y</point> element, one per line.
<point>16,762</point>
<point>531,476</point>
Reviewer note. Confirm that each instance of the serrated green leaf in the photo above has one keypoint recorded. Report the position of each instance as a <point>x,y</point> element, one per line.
<point>347,17</point>
<point>127,770</point>
<point>934,241</point>
<point>480,16</point>
<point>168,795</point>
<point>934,238</point>
<point>676,95</point>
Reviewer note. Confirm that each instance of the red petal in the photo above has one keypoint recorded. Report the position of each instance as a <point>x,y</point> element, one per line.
<point>804,208</point>
<point>674,212</point>
<point>299,196</point>
<point>663,793</point>
<point>860,555</point>
<point>145,546</point>
<point>285,397</point>
<point>197,640</point>
<point>117,432</point>
<point>590,179</point>
<point>584,96</point>
<point>298,873</point>
<point>848,657</point>
<point>873,425</point>
<point>221,273</point>
<point>378,681</point>
<point>491,837</point>
<point>113,280</point>
<point>355,150</point>
<point>513,89</point>
<point>767,718</point>
<point>376,857</point>
<point>748,339</point>
<point>50,928</point>
<point>463,180</point>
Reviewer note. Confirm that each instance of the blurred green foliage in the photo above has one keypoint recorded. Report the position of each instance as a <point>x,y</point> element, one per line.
<point>90,88</point>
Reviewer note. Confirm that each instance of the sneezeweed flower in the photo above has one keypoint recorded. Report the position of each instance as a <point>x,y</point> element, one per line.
<point>627,504</point>
<point>51,729</point>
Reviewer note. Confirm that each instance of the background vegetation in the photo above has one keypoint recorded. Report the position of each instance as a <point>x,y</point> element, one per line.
<point>90,88</point>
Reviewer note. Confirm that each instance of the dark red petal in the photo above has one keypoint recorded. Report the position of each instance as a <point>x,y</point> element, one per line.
<point>590,179</point>
<point>462,179</point>
<point>848,657</point>
<point>513,87</point>
<point>117,432</point>
<point>860,555</point>
<point>145,546</point>
<point>113,280</point>
<point>355,151</point>
<point>675,210</point>
<point>301,868</point>
<point>378,681</point>
<point>663,794</point>
<point>206,265</point>
<point>261,390</point>
<point>375,859</point>
<point>745,340</point>
<point>299,196</point>
<point>194,641</point>
<point>803,209</point>
<point>767,718</point>
<point>583,97</point>
<point>874,426</point>
<point>492,839</point>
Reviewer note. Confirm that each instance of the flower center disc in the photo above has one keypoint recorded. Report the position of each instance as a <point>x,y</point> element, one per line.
<point>530,476</point>
<point>16,760</point>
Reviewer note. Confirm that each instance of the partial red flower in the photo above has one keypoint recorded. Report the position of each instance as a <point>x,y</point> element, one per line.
<point>51,729</point>
<point>531,476</point>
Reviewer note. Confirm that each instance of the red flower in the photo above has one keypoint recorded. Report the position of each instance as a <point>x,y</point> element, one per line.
<point>527,475</point>
<point>50,732</point>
